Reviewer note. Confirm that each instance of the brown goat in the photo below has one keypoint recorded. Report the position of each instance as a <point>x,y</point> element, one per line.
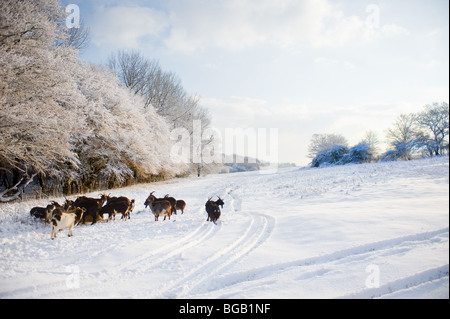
<point>117,205</point>
<point>181,205</point>
<point>173,203</point>
<point>92,206</point>
<point>159,207</point>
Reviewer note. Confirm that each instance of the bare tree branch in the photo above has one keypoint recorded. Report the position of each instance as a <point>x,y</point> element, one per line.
<point>17,190</point>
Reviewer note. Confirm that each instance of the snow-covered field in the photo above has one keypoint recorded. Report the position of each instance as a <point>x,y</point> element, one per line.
<point>358,231</point>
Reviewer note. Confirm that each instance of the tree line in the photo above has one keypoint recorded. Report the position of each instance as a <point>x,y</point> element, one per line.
<point>76,126</point>
<point>422,134</point>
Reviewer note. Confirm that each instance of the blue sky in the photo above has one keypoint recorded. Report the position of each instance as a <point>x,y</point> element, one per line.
<point>304,67</point>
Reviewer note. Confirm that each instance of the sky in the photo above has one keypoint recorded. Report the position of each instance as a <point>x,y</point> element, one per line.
<point>302,67</point>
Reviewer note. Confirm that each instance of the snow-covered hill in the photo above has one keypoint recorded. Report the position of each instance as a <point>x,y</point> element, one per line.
<point>358,231</point>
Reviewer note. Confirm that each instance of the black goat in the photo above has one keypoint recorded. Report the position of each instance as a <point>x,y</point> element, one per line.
<point>213,209</point>
<point>117,205</point>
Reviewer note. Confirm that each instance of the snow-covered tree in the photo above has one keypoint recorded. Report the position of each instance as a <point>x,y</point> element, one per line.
<point>402,135</point>
<point>66,120</point>
<point>435,120</point>
<point>164,92</point>
<point>37,92</point>
<point>372,140</point>
<point>125,140</point>
<point>160,89</point>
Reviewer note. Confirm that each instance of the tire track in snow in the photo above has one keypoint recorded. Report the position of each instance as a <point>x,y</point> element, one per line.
<point>167,251</point>
<point>149,260</point>
<point>399,285</point>
<point>257,231</point>
<point>164,253</point>
<point>365,252</point>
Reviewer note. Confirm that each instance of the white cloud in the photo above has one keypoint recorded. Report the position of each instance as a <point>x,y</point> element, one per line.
<point>433,64</point>
<point>433,33</point>
<point>393,30</point>
<point>237,111</point>
<point>235,25</point>
<point>327,62</point>
<point>125,27</point>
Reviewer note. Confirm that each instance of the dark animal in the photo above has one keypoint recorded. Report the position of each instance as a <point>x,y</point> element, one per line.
<point>114,199</point>
<point>44,213</point>
<point>173,203</point>
<point>117,205</point>
<point>150,198</point>
<point>213,209</point>
<point>39,212</point>
<point>181,205</point>
<point>220,202</point>
<point>66,219</point>
<point>92,206</point>
<point>159,206</point>
<point>131,208</point>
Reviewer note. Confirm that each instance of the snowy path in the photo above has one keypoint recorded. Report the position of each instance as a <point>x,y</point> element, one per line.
<point>363,231</point>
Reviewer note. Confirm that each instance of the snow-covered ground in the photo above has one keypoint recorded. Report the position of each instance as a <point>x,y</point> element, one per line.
<point>358,231</point>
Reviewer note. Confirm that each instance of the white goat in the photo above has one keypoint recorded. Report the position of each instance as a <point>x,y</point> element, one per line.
<point>69,219</point>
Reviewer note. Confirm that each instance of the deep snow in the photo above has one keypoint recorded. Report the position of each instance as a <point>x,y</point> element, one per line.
<point>357,231</point>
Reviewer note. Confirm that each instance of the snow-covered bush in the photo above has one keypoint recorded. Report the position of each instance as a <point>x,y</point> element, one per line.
<point>357,154</point>
<point>341,155</point>
<point>330,156</point>
<point>389,156</point>
<point>401,151</point>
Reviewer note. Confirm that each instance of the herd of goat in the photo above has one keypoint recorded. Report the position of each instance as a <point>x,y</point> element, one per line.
<point>83,208</point>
